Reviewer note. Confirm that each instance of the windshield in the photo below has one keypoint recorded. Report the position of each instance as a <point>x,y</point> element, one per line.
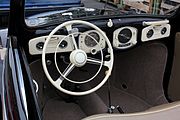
<point>48,11</point>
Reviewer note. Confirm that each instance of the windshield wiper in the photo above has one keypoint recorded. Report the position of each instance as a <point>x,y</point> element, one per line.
<point>172,10</point>
<point>107,8</point>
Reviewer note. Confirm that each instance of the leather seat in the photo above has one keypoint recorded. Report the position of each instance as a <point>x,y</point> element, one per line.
<point>168,111</point>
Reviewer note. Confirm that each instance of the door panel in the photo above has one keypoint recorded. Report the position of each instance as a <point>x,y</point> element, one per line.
<point>175,76</point>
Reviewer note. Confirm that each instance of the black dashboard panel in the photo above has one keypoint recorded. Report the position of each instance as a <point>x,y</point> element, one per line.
<point>134,22</point>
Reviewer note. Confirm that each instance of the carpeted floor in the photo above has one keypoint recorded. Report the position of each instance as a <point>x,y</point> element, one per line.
<point>60,110</point>
<point>136,85</point>
<point>129,103</point>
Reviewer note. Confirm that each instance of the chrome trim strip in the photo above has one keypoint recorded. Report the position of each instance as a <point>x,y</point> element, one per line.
<point>21,82</point>
<point>4,113</point>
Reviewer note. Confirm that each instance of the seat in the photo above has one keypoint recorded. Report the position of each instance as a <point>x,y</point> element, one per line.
<point>168,111</point>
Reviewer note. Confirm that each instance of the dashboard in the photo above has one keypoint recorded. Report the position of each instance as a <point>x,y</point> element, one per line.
<point>91,41</point>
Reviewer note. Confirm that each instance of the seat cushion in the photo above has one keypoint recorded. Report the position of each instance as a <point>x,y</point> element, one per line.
<point>162,112</point>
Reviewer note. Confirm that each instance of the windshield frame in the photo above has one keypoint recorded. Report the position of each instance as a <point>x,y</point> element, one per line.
<point>17,16</point>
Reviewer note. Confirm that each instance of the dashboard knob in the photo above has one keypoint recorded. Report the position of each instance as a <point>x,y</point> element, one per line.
<point>110,23</point>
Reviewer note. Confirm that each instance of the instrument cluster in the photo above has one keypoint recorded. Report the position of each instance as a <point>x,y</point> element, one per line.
<point>90,41</point>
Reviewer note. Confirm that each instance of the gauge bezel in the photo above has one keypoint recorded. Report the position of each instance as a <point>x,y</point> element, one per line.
<point>131,42</point>
<point>157,32</point>
<point>91,40</point>
<point>88,49</point>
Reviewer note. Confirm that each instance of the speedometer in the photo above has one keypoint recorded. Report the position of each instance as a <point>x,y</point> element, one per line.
<point>124,35</point>
<point>92,39</point>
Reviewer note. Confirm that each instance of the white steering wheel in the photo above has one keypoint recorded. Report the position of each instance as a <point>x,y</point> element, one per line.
<point>78,58</point>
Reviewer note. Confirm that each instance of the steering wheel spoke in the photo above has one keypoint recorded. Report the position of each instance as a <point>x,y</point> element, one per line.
<point>98,62</point>
<point>74,41</point>
<point>71,36</point>
<point>94,61</point>
<point>59,81</point>
<point>107,64</point>
<point>68,70</point>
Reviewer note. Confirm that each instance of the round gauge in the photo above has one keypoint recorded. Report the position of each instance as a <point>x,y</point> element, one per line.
<point>124,35</point>
<point>90,41</point>
<point>63,44</point>
<point>150,33</point>
<point>164,30</point>
<point>40,45</point>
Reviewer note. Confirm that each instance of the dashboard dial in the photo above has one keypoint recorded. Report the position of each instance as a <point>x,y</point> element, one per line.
<point>63,44</point>
<point>89,41</point>
<point>124,35</point>
<point>150,33</point>
<point>164,30</point>
<point>40,45</point>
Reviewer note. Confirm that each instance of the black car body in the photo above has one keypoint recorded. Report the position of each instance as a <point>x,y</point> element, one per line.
<point>143,84</point>
<point>36,6</point>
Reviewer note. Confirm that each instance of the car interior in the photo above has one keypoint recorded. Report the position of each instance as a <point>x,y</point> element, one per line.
<point>137,82</point>
<point>105,68</point>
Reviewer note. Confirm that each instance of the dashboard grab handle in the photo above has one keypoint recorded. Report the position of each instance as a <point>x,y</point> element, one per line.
<point>155,23</point>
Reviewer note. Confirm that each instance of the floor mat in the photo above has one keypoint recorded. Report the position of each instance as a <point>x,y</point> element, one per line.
<point>140,72</point>
<point>128,102</point>
<point>60,110</point>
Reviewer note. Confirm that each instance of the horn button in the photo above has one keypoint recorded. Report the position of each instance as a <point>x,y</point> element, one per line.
<point>78,57</point>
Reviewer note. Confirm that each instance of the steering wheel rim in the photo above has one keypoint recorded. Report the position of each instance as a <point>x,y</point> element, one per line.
<point>108,64</point>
